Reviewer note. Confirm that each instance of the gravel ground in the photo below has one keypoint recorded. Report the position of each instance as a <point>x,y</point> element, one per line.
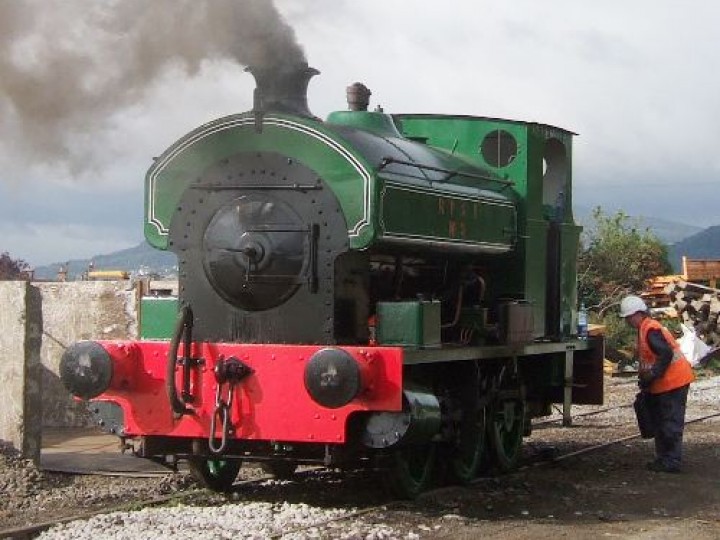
<point>606,493</point>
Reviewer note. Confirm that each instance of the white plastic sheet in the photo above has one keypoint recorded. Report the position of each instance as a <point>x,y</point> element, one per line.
<point>692,346</point>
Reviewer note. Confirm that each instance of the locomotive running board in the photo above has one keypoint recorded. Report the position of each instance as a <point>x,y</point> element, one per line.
<point>454,354</point>
<point>583,366</point>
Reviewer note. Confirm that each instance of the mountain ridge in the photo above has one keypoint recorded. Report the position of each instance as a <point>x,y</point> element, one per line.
<point>670,232</point>
<point>142,259</point>
<point>703,245</point>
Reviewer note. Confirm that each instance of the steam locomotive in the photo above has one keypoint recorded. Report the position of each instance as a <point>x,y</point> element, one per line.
<point>389,291</point>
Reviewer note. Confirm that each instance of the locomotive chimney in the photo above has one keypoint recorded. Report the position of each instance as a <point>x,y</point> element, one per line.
<point>282,89</point>
<point>358,97</point>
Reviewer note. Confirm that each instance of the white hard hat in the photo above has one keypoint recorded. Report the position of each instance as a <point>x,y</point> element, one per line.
<point>630,305</point>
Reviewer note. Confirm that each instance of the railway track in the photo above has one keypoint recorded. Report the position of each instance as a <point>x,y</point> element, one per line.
<point>596,447</point>
<point>448,489</point>
<point>32,531</point>
<point>559,418</point>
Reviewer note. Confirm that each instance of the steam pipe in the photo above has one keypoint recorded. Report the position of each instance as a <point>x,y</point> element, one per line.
<point>182,326</point>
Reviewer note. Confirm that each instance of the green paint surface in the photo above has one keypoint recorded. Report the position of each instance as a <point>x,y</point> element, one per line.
<point>306,141</point>
<point>157,317</point>
<point>408,212</point>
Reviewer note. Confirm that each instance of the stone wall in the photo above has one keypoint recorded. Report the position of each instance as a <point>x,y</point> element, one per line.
<point>75,311</point>
<point>21,398</point>
<point>37,322</point>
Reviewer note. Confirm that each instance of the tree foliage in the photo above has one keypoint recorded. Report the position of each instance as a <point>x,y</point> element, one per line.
<point>617,257</point>
<point>12,269</point>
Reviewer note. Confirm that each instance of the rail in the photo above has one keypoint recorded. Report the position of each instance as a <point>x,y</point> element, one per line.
<point>30,531</point>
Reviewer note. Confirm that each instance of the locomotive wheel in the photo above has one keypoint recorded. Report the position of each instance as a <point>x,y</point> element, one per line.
<point>411,471</point>
<point>470,447</point>
<point>283,470</point>
<point>215,474</point>
<point>506,433</point>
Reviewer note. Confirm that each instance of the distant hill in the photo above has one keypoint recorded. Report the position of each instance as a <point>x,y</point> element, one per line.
<point>142,259</point>
<point>681,239</point>
<point>669,232</point>
<point>703,245</point>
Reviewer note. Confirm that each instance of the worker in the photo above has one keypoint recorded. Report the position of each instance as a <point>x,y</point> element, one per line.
<point>665,375</point>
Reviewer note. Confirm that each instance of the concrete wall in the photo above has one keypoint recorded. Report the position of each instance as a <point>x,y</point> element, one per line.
<point>20,367</point>
<point>37,322</point>
<point>75,311</point>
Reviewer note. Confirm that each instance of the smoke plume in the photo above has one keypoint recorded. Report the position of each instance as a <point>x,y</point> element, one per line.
<point>65,66</point>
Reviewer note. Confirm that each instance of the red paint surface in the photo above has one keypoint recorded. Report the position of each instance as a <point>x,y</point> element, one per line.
<point>270,404</point>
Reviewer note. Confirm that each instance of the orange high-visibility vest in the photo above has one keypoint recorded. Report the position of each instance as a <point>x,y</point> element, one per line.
<point>679,372</point>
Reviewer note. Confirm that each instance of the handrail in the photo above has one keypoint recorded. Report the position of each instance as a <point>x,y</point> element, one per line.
<point>183,327</point>
<point>389,160</point>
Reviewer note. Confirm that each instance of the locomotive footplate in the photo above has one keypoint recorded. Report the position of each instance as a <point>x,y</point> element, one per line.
<point>453,354</point>
<point>573,368</point>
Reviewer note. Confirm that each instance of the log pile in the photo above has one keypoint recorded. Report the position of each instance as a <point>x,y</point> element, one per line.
<point>655,293</point>
<point>698,307</point>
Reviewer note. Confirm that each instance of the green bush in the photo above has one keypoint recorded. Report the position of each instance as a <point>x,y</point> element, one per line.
<point>618,334</point>
<point>617,256</point>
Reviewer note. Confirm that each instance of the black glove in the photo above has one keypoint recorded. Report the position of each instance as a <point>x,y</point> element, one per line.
<point>645,379</point>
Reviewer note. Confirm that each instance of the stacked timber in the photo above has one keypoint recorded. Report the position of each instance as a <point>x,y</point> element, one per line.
<point>698,307</point>
<point>655,293</point>
<point>701,270</point>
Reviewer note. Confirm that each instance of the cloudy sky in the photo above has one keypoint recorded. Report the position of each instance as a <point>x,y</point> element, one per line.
<point>91,90</point>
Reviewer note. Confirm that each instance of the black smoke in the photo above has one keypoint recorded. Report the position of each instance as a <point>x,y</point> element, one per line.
<point>66,66</point>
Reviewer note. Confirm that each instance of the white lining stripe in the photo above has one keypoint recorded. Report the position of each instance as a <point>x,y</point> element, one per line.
<point>479,198</point>
<point>159,166</point>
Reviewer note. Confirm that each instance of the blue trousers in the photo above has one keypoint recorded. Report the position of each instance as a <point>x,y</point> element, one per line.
<point>668,410</point>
